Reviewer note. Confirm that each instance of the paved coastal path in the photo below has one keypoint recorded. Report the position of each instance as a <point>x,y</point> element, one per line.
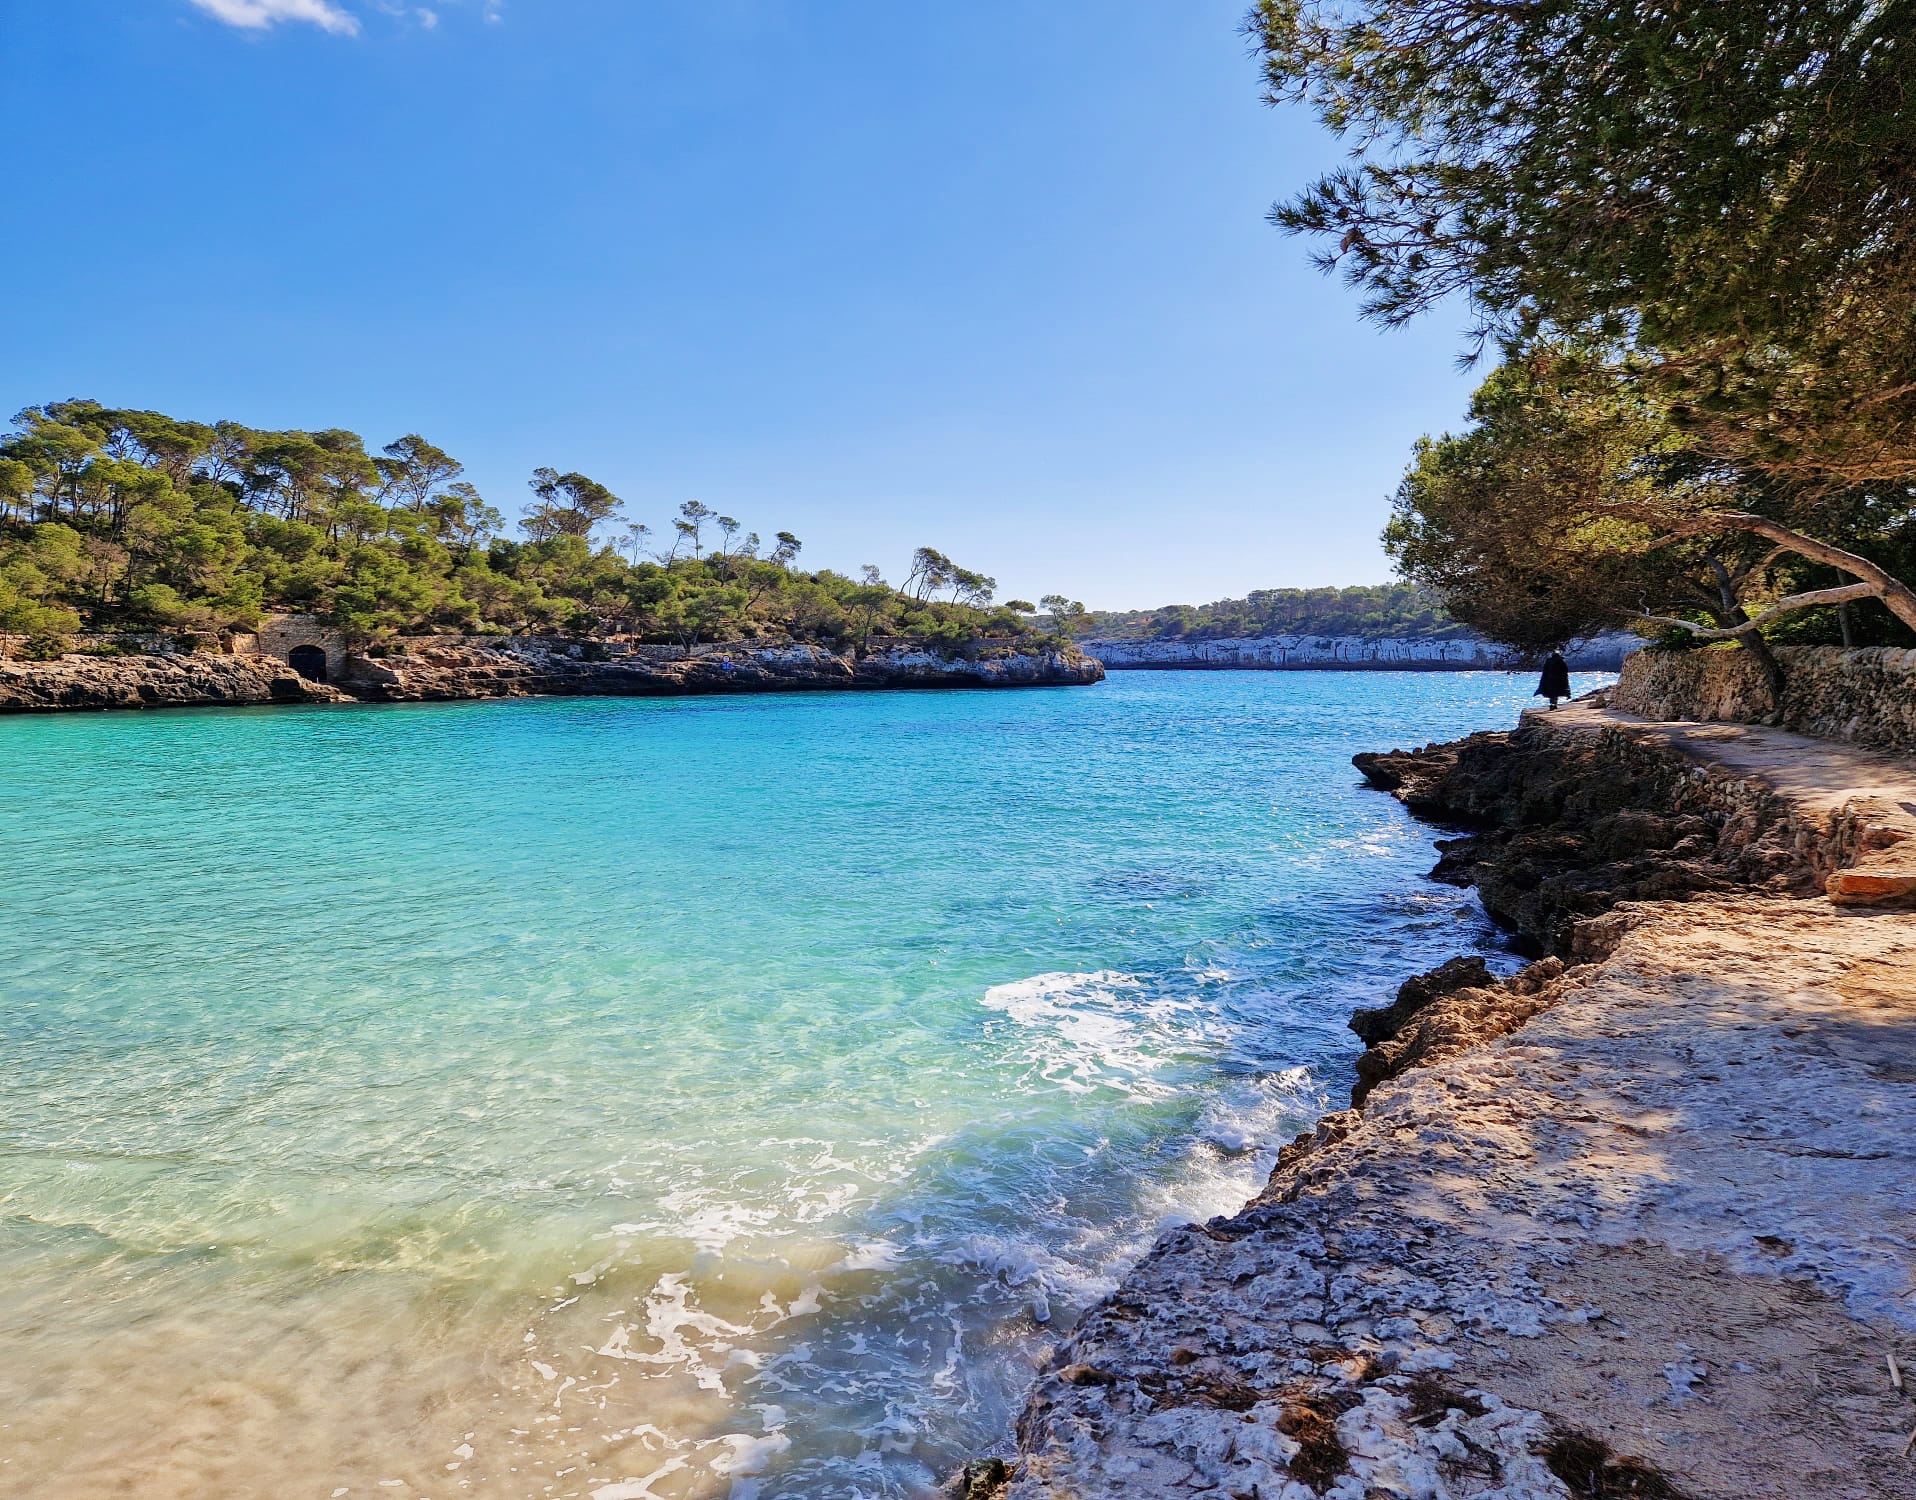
<point>1642,1226</point>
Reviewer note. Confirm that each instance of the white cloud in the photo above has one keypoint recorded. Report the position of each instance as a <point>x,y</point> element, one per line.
<point>257,15</point>
<point>428,19</point>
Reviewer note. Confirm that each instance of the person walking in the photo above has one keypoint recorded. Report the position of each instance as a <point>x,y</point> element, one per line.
<point>1555,682</point>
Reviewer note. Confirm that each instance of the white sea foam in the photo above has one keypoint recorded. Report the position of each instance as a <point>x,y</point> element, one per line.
<point>748,1454</point>
<point>1083,1031</point>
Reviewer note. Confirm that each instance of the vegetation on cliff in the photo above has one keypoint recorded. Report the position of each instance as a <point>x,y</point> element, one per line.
<point>113,519</point>
<point>1397,611</point>
<point>1689,233</point>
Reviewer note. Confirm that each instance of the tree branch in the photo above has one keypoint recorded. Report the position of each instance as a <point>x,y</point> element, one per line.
<point>1841,595</point>
<point>1900,598</point>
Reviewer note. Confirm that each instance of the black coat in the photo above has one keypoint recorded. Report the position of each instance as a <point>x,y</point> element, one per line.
<point>1555,682</point>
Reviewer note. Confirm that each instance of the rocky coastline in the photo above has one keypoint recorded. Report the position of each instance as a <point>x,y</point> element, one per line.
<point>1344,653</point>
<point>1636,1220</point>
<point>424,671</point>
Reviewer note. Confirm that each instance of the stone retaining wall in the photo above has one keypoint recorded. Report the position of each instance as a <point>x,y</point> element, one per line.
<point>1865,696</point>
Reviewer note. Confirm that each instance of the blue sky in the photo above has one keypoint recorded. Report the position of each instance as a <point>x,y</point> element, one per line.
<point>991,276</point>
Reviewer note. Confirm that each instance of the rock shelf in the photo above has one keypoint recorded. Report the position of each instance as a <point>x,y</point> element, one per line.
<point>1640,1220</point>
<point>519,670</point>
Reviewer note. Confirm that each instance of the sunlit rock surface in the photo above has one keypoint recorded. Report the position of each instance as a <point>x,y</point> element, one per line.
<point>1636,1220</point>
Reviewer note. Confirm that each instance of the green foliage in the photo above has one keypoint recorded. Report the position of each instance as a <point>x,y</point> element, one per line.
<point>1528,524</point>
<point>1728,187</point>
<point>1396,610</point>
<point>132,520</point>
<point>1567,507</point>
<point>1691,230</point>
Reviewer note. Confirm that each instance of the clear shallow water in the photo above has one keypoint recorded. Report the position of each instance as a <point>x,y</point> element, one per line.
<point>654,1099</point>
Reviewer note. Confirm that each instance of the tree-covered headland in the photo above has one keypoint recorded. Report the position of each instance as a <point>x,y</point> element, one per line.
<point>1685,236</point>
<point>116,520</point>
<point>1399,611</point>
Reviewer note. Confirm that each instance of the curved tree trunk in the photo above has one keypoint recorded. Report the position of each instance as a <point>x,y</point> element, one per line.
<point>1876,582</point>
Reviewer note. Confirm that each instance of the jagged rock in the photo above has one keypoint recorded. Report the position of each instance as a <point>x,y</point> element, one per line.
<point>1461,1015</point>
<point>524,669</point>
<point>1566,823</point>
<point>1384,1022</point>
<point>1630,1221</point>
<point>521,669</point>
<point>983,1480</point>
<point>153,681</point>
<point>1406,771</point>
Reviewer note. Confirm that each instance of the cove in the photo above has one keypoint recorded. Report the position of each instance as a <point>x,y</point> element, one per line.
<point>655,1098</point>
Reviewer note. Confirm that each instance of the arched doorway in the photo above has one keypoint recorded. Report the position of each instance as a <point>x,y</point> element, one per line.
<point>308,661</point>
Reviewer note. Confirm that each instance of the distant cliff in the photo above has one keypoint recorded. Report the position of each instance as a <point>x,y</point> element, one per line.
<point>1331,653</point>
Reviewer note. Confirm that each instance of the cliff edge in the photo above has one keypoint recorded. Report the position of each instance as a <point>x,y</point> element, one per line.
<point>426,671</point>
<point>154,681</point>
<point>521,668</point>
<point>1637,1221</point>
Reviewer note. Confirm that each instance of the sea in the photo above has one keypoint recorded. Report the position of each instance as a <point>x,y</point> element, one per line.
<point>623,1099</point>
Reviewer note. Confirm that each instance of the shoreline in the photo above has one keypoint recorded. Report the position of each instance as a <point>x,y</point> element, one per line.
<point>452,673</point>
<point>1513,1267</point>
<point>1509,668</point>
<point>1348,653</point>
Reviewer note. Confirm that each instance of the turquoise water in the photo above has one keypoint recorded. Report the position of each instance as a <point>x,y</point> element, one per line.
<point>655,1098</point>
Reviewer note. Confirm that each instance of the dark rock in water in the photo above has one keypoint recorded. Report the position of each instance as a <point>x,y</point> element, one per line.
<point>984,1480</point>
<point>1384,1022</point>
<point>1563,825</point>
<point>1455,1006</point>
<point>1390,770</point>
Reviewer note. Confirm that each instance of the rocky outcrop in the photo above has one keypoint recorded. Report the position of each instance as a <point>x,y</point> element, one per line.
<point>1344,653</point>
<point>1633,1227</point>
<point>1564,821</point>
<point>1577,811</point>
<point>525,669</point>
<point>1632,1221</point>
<point>522,669</point>
<point>153,681</point>
<point>1864,697</point>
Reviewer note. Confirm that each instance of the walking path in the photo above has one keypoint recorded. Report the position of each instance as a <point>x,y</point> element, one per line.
<point>1820,774</point>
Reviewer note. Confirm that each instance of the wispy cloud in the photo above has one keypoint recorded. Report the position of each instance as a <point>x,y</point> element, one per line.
<point>257,15</point>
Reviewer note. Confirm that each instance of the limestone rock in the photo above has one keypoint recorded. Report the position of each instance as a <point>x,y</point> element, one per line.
<point>1632,1221</point>
<point>1573,813</point>
<point>518,668</point>
<point>525,668</point>
<point>1384,1022</point>
<point>1865,696</point>
<point>1344,653</point>
<point>153,681</point>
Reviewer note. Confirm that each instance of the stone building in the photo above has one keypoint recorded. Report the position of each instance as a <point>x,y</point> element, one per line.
<point>315,651</point>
